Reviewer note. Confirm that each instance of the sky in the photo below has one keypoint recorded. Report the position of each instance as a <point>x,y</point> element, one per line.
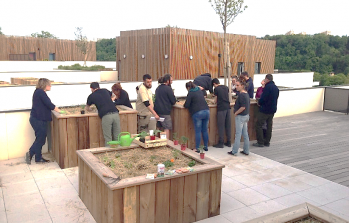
<point>106,18</point>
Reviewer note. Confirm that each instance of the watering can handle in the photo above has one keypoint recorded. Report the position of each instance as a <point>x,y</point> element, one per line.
<point>123,133</point>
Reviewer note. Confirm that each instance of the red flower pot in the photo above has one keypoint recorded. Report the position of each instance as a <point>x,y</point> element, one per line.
<point>183,147</point>
<point>152,137</point>
<point>175,142</point>
<point>202,155</point>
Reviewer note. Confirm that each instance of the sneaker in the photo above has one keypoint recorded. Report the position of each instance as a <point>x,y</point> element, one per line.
<point>219,145</point>
<point>243,152</point>
<point>267,144</point>
<point>28,158</point>
<point>231,153</point>
<point>228,143</point>
<point>205,148</point>
<point>257,145</point>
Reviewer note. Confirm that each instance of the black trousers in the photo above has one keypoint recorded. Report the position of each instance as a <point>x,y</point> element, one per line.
<point>261,119</point>
<point>40,128</point>
<point>224,122</point>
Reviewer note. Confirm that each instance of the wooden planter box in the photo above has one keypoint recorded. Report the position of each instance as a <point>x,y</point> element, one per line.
<point>70,133</point>
<point>187,197</point>
<point>183,125</point>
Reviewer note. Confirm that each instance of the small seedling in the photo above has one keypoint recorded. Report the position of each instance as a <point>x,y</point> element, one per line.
<point>175,154</point>
<point>168,163</point>
<point>175,136</point>
<point>184,140</point>
<point>117,155</point>
<point>152,158</point>
<point>128,165</point>
<point>191,163</point>
<point>105,159</point>
<point>82,107</point>
<point>201,148</point>
<point>156,131</point>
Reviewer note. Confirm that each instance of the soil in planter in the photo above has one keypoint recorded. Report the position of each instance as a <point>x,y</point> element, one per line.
<point>137,162</point>
<point>76,110</point>
<point>307,220</point>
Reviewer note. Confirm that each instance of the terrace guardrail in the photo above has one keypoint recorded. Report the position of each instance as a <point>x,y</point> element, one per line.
<point>336,99</point>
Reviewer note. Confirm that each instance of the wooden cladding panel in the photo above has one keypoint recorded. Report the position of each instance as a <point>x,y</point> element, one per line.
<point>180,44</point>
<point>65,50</point>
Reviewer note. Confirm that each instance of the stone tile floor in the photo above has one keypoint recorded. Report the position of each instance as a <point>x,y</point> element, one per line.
<point>252,186</point>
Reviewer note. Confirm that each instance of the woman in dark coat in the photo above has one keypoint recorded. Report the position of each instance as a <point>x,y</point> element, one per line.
<point>121,96</point>
<point>40,116</point>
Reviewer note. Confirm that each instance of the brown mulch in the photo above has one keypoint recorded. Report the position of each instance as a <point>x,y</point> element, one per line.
<point>140,161</point>
<point>308,219</point>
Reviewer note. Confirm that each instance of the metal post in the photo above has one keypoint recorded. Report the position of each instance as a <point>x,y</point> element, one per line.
<point>219,65</point>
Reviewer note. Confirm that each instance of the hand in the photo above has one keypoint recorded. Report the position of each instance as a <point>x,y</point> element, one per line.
<point>113,97</point>
<point>157,117</point>
<point>201,88</point>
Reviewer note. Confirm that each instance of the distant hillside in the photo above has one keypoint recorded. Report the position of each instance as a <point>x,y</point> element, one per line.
<point>106,50</point>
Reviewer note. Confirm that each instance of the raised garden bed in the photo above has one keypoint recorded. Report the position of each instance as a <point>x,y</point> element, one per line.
<point>182,122</point>
<point>185,197</point>
<point>74,131</point>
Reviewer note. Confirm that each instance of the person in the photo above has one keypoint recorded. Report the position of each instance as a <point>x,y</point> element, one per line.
<point>106,111</point>
<point>199,112</point>
<point>145,106</point>
<point>260,90</point>
<point>204,82</point>
<point>233,85</point>
<point>249,83</point>
<point>165,98</point>
<point>223,113</point>
<point>40,116</point>
<point>241,113</point>
<point>120,96</point>
<point>267,108</point>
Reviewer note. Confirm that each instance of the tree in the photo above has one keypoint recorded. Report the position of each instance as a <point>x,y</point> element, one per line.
<point>1,32</point>
<point>82,43</point>
<point>44,34</point>
<point>106,50</point>
<point>227,10</point>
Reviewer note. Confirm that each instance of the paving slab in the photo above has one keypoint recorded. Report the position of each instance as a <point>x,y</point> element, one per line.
<point>271,190</point>
<point>293,200</point>
<point>19,188</point>
<point>267,207</point>
<point>292,184</point>
<point>28,213</point>
<point>335,212</point>
<point>53,182</point>
<point>80,217</point>
<point>311,179</point>
<point>62,194</point>
<point>228,203</point>
<point>215,219</point>
<point>228,184</point>
<point>241,215</point>
<point>3,217</point>
<point>2,205</point>
<point>342,206</point>
<point>69,208</point>
<point>17,177</point>
<point>256,178</point>
<point>248,196</point>
<point>15,203</point>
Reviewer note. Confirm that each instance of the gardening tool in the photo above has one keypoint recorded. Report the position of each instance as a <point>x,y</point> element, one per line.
<point>115,180</point>
<point>123,140</point>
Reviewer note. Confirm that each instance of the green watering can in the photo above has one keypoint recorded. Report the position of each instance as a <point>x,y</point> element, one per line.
<point>124,139</point>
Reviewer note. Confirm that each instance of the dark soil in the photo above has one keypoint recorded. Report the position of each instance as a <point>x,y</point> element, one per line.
<point>307,220</point>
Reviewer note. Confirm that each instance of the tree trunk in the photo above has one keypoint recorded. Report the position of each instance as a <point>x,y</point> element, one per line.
<point>225,52</point>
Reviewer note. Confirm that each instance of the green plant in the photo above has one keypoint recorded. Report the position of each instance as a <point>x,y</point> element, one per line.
<point>201,148</point>
<point>127,165</point>
<point>83,106</point>
<point>175,154</point>
<point>152,158</point>
<point>191,163</point>
<point>156,131</point>
<point>175,136</point>
<point>105,159</point>
<point>168,163</point>
<point>183,140</point>
<point>117,155</point>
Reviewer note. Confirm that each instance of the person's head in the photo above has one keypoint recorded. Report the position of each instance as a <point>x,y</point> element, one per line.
<point>167,79</point>
<point>116,88</point>
<point>94,86</point>
<point>147,80</point>
<point>234,79</point>
<point>190,85</point>
<point>161,80</point>
<point>215,82</point>
<point>44,84</point>
<point>263,83</point>
<point>268,78</point>
<point>244,75</point>
<point>240,85</point>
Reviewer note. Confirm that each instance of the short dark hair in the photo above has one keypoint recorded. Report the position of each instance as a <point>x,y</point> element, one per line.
<point>269,77</point>
<point>244,74</point>
<point>94,85</point>
<point>146,76</point>
<point>190,85</point>
<point>215,81</point>
<point>167,77</point>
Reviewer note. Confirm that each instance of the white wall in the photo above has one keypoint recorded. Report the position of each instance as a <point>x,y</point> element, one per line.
<point>8,66</point>
<point>300,101</point>
<point>293,80</point>
<point>16,135</point>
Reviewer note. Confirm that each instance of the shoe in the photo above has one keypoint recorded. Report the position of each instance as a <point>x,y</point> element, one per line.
<point>231,153</point>
<point>28,158</point>
<point>257,145</point>
<point>228,143</point>
<point>42,160</point>
<point>205,148</point>
<point>267,144</point>
<point>243,152</point>
<point>219,145</point>
<point>197,151</point>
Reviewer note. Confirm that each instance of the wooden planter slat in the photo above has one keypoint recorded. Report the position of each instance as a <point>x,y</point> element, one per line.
<point>76,132</point>
<point>185,197</point>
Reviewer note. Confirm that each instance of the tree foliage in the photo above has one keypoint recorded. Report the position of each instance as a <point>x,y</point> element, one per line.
<point>44,34</point>
<point>106,49</point>
<point>319,53</point>
<point>82,43</point>
<point>1,32</point>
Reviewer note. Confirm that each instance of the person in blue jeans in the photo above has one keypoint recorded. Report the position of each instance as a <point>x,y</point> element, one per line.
<point>40,116</point>
<point>199,112</point>
<point>241,112</point>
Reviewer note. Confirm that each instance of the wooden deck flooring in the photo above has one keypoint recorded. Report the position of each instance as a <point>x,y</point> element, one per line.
<point>316,142</point>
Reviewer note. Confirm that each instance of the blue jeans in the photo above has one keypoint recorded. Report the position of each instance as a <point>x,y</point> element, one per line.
<point>241,128</point>
<point>201,119</point>
<point>40,128</point>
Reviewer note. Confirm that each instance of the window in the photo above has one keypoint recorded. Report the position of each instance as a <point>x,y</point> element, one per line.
<point>19,57</point>
<point>52,56</point>
<point>32,56</point>
<point>257,68</point>
<point>241,68</point>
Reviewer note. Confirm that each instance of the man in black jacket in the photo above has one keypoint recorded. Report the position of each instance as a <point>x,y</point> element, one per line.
<point>204,82</point>
<point>249,82</point>
<point>164,99</point>
<point>267,108</point>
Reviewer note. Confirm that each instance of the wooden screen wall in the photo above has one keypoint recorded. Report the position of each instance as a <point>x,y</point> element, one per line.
<point>64,50</point>
<point>180,44</point>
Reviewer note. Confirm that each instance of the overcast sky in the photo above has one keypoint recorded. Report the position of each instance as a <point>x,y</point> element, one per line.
<point>106,18</point>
